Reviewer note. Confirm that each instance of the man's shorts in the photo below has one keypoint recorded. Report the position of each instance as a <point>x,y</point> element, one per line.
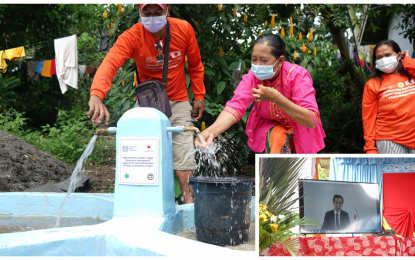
<point>182,142</point>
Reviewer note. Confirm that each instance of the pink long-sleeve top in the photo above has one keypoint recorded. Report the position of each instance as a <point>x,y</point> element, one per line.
<point>295,83</point>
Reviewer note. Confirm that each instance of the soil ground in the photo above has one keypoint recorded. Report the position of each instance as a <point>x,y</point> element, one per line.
<point>23,166</point>
<point>101,178</point>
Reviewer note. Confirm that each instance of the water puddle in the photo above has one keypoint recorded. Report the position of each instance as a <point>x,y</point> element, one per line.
<point>21,224</point>
<point>191,234</point>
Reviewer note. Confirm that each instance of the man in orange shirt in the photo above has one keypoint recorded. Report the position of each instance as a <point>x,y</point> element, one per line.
<point>138,43</point>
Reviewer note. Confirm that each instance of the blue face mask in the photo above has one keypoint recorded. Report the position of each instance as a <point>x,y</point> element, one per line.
<point>263,72</point>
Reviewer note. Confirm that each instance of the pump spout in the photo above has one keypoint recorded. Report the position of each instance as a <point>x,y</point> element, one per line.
<point>192,128</point>
<point>105,131</point>
<point>101,131</point>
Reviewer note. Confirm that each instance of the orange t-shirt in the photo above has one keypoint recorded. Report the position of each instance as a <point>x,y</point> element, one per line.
<point>388,111</point>
<point>138,43</point>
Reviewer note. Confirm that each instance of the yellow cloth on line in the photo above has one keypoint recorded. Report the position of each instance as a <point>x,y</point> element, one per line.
<point>3,64</point>
<point>15,53</point>
<point>46,68</point>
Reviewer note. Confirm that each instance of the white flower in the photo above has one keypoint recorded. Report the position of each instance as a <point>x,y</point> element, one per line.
<point>273,219</point>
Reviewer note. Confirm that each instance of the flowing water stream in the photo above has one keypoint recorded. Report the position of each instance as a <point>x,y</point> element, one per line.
<point>74,176</point>
<point>202,140</point>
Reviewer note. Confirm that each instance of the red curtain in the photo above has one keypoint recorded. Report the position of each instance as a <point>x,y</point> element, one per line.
<point>399,202</point>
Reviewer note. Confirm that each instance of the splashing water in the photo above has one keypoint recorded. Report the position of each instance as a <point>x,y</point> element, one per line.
<point>208,164</point>
<point>74,177</point>
<point>202,140</point>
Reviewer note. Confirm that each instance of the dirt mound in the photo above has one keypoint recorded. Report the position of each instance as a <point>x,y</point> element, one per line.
<point>23,166</point>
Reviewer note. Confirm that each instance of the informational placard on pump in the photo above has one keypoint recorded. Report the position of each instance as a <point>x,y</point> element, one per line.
<point>138,161</point>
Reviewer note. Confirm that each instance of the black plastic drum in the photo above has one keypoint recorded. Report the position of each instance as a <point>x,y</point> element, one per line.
<point>222,209</point>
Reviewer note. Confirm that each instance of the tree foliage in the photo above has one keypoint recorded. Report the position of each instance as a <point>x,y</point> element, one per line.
<point>407,24</point>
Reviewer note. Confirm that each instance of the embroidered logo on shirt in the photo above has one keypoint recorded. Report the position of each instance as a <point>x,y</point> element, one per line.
<point>175,54</point>
<point>150,59</point>
<point>401,85</point>
<point>408,82</point>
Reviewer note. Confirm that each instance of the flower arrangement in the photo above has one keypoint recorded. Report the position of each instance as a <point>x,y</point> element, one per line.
<point>277,218</point>
<point>274,229</point>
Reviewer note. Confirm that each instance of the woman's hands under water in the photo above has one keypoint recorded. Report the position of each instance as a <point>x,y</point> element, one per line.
<point>222,123</point>
<point>208,136</point>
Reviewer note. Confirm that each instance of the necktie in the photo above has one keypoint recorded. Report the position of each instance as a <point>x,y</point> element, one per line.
<point>337,221</point>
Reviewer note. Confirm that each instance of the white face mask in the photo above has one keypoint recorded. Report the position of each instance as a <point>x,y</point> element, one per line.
<point>263,72</point>
<point>154,24</point>
<point>387,64</point>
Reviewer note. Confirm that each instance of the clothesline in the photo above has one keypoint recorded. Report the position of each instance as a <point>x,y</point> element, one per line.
<point>367,67</point>
<point>64,66</point>
<point>47,68</point>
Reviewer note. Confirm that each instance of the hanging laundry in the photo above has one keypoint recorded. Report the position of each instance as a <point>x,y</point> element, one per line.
<point>15,53</point>
<point>81,70</point>
<point>91,70</point>
<point>46,68</point>
<point>349,48</point>
<point>23,69</point>
<point>66,59</point>
<point>31,66</point>
<point>356,59</point>
<point>3,64</point>
<point>361,62</point>
<point>53,67</point>
<point>39,67</point>
<point>366,67</point>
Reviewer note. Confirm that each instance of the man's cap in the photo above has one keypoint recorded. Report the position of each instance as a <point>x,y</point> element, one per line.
<point>161,5</point>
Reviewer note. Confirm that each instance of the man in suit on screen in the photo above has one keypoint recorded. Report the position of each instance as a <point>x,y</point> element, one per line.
<point>336,219</point>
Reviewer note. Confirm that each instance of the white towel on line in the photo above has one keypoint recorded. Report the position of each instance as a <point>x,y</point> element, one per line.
<point>66,59</point>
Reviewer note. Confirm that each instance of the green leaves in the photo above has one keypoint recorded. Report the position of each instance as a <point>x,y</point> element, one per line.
<point>265,240</point>
<point>211,19</point>
<point>281,176</point>
<point>312,45</point>
<point>221,87</point>
<point>7,93</point>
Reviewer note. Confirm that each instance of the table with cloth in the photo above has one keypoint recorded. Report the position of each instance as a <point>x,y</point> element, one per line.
<point>350,246</point>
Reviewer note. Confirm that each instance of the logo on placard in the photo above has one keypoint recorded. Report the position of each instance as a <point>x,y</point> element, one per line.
<point>127,176</point>
<point>148,147</point>
<point>400,84</point>
<point>125,148</point>
<point>150,176</point>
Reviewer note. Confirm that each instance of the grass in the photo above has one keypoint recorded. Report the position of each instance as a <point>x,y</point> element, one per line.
<point>104,151</point>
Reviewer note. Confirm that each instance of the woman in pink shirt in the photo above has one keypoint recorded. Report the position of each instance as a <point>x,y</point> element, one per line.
<point>285,115</point>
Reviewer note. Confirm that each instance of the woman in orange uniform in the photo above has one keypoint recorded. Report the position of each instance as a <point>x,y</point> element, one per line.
<point>388,107</point>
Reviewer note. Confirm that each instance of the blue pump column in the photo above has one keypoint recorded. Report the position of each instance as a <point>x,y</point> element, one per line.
<point>143,200</point>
